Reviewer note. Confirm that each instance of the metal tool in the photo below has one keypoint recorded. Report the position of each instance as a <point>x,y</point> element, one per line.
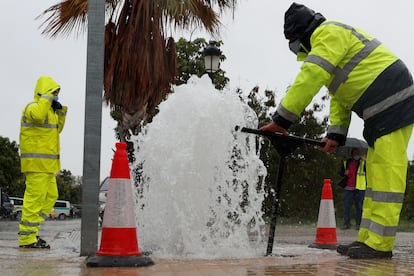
<point>284,145</point>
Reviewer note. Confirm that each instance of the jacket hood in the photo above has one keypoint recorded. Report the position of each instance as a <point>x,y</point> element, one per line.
<point>300,21</point>
<point>45,85</point>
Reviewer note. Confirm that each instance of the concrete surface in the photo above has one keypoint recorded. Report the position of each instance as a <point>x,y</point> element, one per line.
<point>292,256</point>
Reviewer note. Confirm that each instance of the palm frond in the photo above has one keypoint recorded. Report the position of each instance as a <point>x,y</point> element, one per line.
<point>194,13</point>
<point>69,16</point>
<point>65,17</point>
<point>190,13</point>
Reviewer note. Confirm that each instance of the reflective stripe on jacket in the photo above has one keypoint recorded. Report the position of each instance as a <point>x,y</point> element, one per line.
<point>347,61</point>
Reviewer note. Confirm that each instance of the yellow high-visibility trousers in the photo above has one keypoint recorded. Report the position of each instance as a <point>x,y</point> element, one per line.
<point>39,198</point>
<point>386,182</point>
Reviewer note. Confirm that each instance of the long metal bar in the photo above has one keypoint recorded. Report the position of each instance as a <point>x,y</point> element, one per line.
<point>280,137</point>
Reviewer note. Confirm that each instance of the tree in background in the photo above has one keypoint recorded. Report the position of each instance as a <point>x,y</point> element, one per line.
<point>407,211</point>
<point>140,60</point>
<point>11,179</point>
<point>306,169</point>
<point>69,186</point>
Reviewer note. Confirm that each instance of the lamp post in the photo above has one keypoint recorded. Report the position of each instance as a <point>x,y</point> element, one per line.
<point>211,59</point>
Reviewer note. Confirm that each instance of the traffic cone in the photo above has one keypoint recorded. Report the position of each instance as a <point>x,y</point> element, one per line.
<point>326,231</point>
<point>119,242</point>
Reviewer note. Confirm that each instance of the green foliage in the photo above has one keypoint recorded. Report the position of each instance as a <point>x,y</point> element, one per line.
<point>405,225</point>
<point>305,170</point>
<point>69,187</point>
<point>11,178</point>
<point>190,59</point>
<point>191,62</point>
<point>407,211</point>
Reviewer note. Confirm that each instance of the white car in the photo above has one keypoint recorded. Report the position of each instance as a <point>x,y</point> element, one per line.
<point>61,210</point>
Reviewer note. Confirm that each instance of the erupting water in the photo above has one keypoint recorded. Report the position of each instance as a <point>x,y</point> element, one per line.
<point>199,195</point>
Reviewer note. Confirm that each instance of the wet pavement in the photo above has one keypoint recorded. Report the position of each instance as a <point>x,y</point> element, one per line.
<point>292,256</point>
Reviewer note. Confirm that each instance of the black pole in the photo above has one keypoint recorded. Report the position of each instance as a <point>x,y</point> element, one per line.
<point>275,205</point>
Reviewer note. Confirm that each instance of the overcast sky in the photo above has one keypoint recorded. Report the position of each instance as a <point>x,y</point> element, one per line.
<point>256,50</point>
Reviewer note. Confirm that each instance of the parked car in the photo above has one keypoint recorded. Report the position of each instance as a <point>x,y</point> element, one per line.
<point>61,210</point>
<point>17,208</point>
<point>6,205</point>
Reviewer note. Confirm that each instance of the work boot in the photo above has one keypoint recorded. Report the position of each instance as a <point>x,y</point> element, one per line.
<point>346,227</point>
<point>343,248</point>
<point>41,241</point>
<point>363,251</point>
<point>37,245</point>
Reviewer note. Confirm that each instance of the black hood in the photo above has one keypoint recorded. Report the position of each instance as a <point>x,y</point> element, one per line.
<point>300,21</point>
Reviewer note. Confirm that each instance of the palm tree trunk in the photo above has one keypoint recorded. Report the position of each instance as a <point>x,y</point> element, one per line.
<point>92,134</point>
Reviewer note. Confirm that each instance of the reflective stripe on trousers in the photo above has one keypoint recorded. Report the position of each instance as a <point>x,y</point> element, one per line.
<point>39,198</point>
<point>386,180</point>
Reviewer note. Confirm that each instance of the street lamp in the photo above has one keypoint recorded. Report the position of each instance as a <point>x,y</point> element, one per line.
<point>211,59</point>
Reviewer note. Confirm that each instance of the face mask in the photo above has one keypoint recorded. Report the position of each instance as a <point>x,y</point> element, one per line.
<point>56,98</point>
<point>356,157</point>
<point>294,46</point>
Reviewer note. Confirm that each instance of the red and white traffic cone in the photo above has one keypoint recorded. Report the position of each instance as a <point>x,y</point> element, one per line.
<point>326,231</point>
<point>119,242</point>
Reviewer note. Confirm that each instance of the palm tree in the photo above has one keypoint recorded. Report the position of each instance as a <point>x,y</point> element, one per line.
<point>140,63</point>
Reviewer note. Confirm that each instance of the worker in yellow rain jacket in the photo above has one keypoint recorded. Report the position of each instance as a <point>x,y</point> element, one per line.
<point>41,123</point>
<point>353,170</point>
<point>364,76</point>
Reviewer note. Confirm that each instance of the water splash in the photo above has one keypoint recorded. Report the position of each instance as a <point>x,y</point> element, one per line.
<point>199,195</point>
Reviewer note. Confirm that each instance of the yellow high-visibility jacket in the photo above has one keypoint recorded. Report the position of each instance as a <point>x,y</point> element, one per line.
<point>40,129</point>
<point>361,74</point>
<point>361,181</point>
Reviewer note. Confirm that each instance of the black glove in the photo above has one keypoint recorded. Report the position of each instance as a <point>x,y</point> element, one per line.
<point>56,105</point>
